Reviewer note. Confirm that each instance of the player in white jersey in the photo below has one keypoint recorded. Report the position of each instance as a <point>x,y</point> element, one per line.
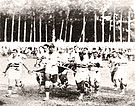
<point>14,70</point>
<point>40,69</point>
<point>121,74</point>
<point>95,74</point>
<point>39,55</point>
<point>82,72</point>
<point>113,65</point>
<point>51,72</point>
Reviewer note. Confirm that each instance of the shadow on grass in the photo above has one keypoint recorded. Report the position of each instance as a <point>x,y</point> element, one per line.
<point>67,94</point>
<point>107,95</point>
<point>2,103</point>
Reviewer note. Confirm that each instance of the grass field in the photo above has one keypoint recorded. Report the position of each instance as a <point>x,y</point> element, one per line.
<point>69,97</point>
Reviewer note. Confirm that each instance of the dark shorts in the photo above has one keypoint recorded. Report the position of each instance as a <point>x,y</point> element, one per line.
<point>63,78</point>
<point>80,86</point>
<point>49,77</point>
<point>113,73</point>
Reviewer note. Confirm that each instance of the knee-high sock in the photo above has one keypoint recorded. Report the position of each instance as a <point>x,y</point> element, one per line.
<point>81,96</point>
<point>47,95</point>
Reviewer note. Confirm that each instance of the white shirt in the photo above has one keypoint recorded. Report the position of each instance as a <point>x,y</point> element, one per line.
<point>96,60</point>
<point>51,66</point>
<point>16,61</point>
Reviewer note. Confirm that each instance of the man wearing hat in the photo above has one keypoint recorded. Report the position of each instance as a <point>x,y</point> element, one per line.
<point>14,70</point>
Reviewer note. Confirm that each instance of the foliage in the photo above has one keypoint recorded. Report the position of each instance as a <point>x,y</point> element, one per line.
<point>40,7</point>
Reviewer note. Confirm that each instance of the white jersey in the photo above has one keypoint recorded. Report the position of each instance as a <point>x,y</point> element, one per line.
<point>51,65</point>
<point>82,75</point>
<point>62,57</point>
<point>122,69</point>
<point>82,72</point>
<point>95,76</point>
<point>96,60</point>
<point>15,62</point>
<point>85,61</point>
<point>71,55</point>
<point>15,69</point>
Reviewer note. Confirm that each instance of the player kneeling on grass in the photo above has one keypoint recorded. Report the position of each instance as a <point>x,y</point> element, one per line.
<point>14,71</point>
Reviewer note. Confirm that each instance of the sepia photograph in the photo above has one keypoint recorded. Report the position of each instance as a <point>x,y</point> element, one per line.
<point>67,52</point>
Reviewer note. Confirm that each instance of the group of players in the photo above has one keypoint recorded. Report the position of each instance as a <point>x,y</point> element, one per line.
<point>84,65</point>
<point>75,60</point>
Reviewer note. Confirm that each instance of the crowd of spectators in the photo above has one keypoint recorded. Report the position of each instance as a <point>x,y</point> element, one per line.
<point>104,52</point>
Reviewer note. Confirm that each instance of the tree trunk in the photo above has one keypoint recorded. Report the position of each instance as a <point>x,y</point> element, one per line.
<point>103,30</point>
<point>25,31</point>
<point>114,26</point>
<point>5,35</point>
<point>83,30</point>
<point>95,27</point>
<point>110,30</point>
<point>46,31</point>
<point>19,28</point>
<point>53,31</point>
<point>31,32</point>
<point>40,31</point>
<point>129,26</point>
<point>66,26</point>
<point>61,29</point>
<point>34,30</point>
<point>121,27</point>
<point>12,33</point>
<point>71,28</point>
<point>66,31</point>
